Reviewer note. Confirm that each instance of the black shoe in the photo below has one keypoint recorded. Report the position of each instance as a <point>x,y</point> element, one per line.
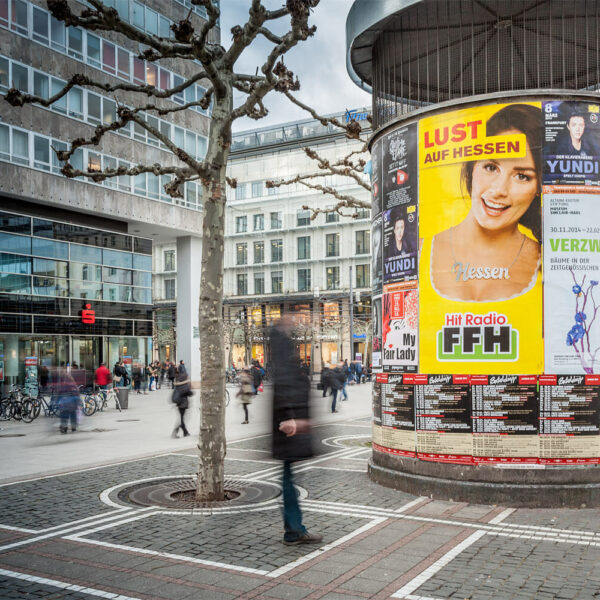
<point>186,434</point>
<point>307,538</point>
<point>63,430</point>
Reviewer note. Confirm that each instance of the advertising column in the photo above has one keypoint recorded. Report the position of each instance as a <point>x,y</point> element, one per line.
<point>480,286</point>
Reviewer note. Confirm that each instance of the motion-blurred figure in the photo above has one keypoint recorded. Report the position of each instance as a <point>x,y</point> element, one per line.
<point>181,394</point>
<point>68,400</point>
<point>292,440</point>
<point>245,393</point>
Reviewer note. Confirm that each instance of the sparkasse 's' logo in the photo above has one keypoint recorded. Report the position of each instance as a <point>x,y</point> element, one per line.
<point>472,337</point>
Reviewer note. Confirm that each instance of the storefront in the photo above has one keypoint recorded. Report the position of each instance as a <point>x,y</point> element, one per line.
<point>71,296</point>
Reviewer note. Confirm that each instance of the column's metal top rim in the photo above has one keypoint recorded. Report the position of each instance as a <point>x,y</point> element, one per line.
<point>365,21</point>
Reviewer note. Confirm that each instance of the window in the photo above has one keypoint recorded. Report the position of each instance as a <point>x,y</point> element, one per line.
<point>19,16</point>
<point>363,276</point>
<point>277,282</point>
<point>363,242</point>
<point>4,142</point>
<point>40,25</point>
<point>114,258</point>
<point>19,78</point>
<point>93,50</point>
<point>259,253</point>
<point>259,222</point>
<point>242,284</point>
<point>169,289</point>
<point>58,35</point>
<point>259,283</point>
<point>241,253</point>
<point>257,189</point>
<point>363,213</point>
<point>332,243</point>
<point>241,224</point>
<point>275,220</point>
<point>75,37</point>
<point>50,248</point>
<point>20,147</point>
<point>123,63</point>
<point>302,217</point>
<point>304,280</point>
<point>169,260</point>
<point>240,191</point>
<point>276,250</point>
<point>331,217</point>
<point>303,248</point>
<point>332,276</point>
<point>94,108</point>
<point>4,85</point>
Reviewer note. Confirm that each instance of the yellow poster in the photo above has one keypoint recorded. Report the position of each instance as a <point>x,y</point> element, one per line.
<point>480,282</point>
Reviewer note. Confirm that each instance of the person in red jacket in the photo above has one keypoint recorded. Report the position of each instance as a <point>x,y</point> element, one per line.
<point>103,376</point>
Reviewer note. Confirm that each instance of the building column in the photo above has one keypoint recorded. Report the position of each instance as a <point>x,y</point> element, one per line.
<point>189,261</point>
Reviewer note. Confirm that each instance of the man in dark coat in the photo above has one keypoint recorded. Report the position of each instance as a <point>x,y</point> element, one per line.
<point>337,381</point>
<point>291,425</point>
<point>256,376</point>
<point>181,393</point>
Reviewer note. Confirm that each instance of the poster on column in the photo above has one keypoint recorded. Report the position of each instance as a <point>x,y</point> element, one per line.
<point>570,419</point>
<point>377,334</point>
<point>480,286</point>
<point>571,143</point>
<point>400,243</point>
<point>443,418</point>
<point>399,167</point>
<point>376,192</point>
<point>400,335</point>
<point>571,276</point>
<point>377,254</point>
<point>505,418</point>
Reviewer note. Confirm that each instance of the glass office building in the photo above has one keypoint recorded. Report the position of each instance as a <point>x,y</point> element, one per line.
<point>71,295</point>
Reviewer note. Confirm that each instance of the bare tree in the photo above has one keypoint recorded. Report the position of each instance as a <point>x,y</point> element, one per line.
<point>351,166</point>
<point>214,66</point>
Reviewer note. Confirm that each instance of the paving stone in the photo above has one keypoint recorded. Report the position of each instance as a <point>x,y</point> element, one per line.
<point>18,589</point>
<point>288,591</point>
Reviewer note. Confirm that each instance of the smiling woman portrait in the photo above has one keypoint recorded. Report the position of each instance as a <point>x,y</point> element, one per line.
<point>487,256</point>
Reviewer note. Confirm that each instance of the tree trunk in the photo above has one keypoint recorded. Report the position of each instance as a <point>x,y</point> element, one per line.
<point>212,443</point>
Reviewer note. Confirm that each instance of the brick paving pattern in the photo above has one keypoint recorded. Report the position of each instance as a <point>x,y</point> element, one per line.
<point>378,543</point>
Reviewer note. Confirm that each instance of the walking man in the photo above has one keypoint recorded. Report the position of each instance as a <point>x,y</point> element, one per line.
<point>292,440</point>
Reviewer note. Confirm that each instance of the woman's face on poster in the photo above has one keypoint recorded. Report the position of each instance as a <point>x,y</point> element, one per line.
<point>503,189</point>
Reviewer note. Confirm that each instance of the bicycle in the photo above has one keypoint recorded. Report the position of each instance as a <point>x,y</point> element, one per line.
<point>88,401</point>
<point>109,396</point>
<point>227,397</point>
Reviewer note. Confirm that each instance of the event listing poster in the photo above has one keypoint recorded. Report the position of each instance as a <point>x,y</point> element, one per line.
<point>400,335</point>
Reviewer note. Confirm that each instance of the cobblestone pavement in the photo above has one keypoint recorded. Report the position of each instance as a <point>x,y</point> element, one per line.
<point>70,537</point>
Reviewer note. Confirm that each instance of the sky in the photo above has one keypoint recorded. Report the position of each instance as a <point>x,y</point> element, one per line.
<point>319,63</point>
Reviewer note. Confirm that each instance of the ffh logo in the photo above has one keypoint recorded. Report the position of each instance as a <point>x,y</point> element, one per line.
<point>401,177</point>
<point>88,315</point>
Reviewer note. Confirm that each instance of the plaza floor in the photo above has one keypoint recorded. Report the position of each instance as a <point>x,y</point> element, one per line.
<point>65,532</point>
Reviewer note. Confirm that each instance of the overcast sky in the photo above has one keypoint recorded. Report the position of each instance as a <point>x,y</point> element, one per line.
<point>319,63</point>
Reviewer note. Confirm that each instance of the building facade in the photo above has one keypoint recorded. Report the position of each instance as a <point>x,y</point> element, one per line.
<point>278,258</point>
<point>70,243</point>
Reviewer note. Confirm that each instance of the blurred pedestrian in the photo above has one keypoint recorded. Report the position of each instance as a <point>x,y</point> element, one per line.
<point>292,440</point>
<point>337,382</point>
<point>181,394</point>
<point>325,379</point>
<point>245,392</point>
<point>102,377</point>
<point>119,373</point>
<point>137,375</point>
<point>171,372</point>
<point>68,400</point>
<point>257,377</point>
<point>181,368</point>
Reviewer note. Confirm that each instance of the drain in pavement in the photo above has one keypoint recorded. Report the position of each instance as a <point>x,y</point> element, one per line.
<point>180,493</point>
<point>12,435</point>
<point>126,420</point>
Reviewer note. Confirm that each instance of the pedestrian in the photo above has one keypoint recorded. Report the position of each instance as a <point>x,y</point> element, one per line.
<point>352,371</point>
<point>245,393</point>
<point>68,400</point>
<point>346,370</point>
<point>151,374</point>
<point>137,378</point>
<point>181,368</point>
<point>181,394</point>
<point>119,374</point>
<point>359,372</point>
<point>256,376</point>
<point>102,377</point>
<point>369,372</point>
<point>325,379</point>
<point>292,440</point>
<point>171,372</point>
<point>337,382</point>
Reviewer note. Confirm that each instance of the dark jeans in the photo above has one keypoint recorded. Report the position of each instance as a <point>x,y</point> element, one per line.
<point>181,421</point>
<point>245,411</point>
<point>334,398</point>
<point>324,391</point>
<point>68,412</point>
<point>292,516</point>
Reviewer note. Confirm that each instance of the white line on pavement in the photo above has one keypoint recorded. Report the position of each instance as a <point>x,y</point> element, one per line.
<point>320,551</point>
<point>499,518</point>
<point>439,564</point>
<point>410,504</point>
<point>61,532</point>
<point>178,557</point>
<point>21,529</point>
<point>63,585</point>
